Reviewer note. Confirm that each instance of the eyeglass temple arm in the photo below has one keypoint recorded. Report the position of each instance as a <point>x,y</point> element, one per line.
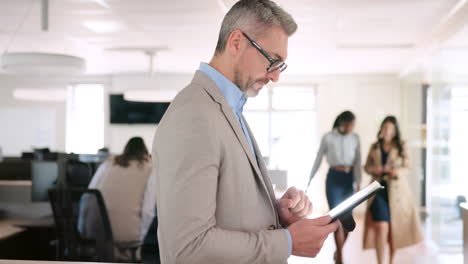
<point>259,48</point>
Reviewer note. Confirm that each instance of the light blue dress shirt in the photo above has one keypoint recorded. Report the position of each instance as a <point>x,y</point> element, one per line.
<point>236,100</point>
<point>233,95</point>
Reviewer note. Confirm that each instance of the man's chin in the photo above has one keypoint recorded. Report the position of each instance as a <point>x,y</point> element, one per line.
<point>252,92</point>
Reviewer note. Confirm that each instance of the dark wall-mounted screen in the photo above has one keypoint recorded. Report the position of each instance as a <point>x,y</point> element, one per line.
<point>128,112</point>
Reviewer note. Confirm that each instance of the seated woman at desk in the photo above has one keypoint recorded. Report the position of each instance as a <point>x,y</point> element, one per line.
<point>122,181</point>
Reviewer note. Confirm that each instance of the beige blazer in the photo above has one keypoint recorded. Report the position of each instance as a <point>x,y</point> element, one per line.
<point>405,226</point>
<point>215,200</point>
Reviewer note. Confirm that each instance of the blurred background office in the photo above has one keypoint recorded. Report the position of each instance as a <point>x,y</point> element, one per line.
<point>77,76</point>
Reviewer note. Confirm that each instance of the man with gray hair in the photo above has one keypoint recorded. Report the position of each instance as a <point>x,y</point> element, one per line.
<point>215,200</point>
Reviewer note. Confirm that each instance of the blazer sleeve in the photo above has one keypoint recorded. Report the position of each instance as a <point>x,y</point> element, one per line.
<point>187,157</point>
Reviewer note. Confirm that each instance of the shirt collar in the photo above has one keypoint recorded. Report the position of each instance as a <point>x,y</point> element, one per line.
<point>337,133</point>
<point>233,94</point>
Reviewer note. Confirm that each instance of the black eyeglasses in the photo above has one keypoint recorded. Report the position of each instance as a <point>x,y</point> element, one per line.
<point>274,64</point>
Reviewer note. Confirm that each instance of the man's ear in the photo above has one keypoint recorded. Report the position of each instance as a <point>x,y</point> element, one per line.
<point>235,42</point>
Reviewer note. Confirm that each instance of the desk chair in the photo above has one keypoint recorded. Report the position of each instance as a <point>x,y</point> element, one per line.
<point>83,228</point>
<point>150,247</point>
<point>78,174</point>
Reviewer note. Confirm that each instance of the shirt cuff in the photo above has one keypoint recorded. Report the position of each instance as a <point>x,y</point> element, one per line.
<point>289,241</point>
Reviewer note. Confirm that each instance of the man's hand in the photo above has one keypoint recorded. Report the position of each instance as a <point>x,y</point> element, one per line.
<point>378,170</point>
<point>308,235</point>
<point>293,206</point>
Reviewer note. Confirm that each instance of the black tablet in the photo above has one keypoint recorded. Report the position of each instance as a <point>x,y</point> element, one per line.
<point>353,201</point>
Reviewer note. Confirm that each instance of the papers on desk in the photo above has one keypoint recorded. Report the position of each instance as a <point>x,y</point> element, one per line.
<point>8,229</point>
<point>349,204</point>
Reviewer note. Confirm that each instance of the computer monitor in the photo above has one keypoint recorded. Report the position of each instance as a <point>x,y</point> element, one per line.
<point>92,158</point>
<point>44,176</point>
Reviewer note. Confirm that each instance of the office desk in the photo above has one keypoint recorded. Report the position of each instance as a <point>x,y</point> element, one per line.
<point>8,229</point>
<point>27,238</point>
<point>43,222</point>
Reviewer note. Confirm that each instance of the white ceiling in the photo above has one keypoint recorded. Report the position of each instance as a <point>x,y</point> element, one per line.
<point>334,36</point>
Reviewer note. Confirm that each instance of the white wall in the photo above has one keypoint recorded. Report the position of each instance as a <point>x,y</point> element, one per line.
<point>412,106</point>
<point>33,123</point>
<point>28,124</point>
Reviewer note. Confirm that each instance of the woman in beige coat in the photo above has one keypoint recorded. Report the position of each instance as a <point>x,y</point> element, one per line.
<point>391,215</point>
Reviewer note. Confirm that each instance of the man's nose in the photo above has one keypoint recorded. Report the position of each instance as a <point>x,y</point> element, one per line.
<point>274,76</point>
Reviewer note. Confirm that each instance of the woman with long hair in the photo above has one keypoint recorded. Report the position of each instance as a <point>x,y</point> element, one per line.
<point>122,181</point>
<point>343,152</point>
<point>391,216</point>
<point>135,150</point>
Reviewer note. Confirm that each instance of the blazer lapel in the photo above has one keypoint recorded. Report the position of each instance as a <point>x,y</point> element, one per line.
<point>207,84</point>
<point>264,172</point>
<point>236,126</point>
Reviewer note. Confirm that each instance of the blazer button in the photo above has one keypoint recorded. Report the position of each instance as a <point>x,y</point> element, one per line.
<point>272,227</point>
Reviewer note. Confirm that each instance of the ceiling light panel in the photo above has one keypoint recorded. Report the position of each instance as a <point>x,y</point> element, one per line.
<point>163,7</point>
<point>43,95</point>
<point>104,26</point>
<point>71,5</point>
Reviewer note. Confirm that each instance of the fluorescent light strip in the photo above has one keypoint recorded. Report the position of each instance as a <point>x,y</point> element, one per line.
<point>42,95</point>
<point>147,95</point>
<point>103,26</point>
<point>102,3</point>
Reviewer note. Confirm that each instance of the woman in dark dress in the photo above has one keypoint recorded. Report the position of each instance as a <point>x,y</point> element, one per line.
<point>392,218</point>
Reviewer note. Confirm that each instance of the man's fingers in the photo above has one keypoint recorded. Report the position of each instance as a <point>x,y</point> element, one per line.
<point>312,253</point>
<point>284,203</point>
<point>311,208</point>
<point>304,210</point>
<point>307,210</point>
<point>333,226</point>
<point>301,204</point>
<point>294,195</point>
<point>321,221</point>
<point>312,234</point>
